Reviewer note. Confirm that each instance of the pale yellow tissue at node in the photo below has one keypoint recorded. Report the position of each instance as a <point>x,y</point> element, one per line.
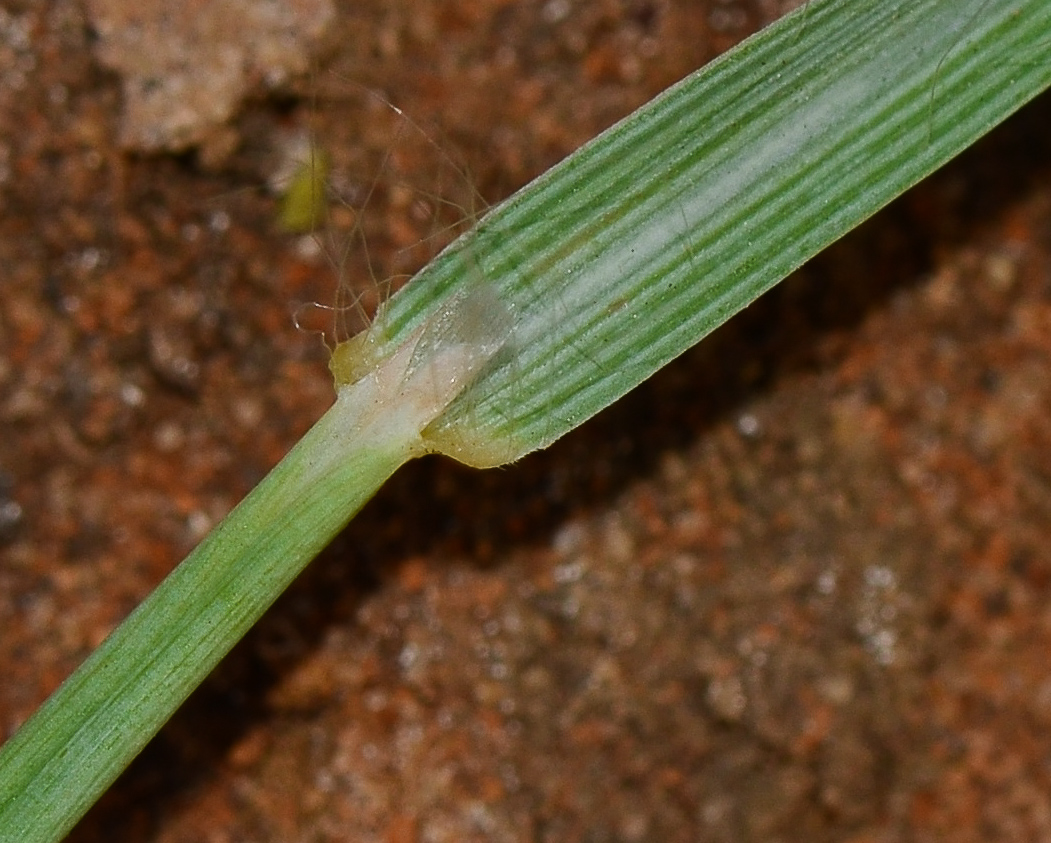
<point>412,386</point>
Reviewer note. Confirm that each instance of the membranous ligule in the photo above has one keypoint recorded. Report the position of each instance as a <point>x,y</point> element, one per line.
<point>352,359</point>
<point>419,378</point>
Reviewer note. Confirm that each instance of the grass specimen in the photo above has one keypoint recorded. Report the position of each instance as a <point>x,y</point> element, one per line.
<point>561,300</point>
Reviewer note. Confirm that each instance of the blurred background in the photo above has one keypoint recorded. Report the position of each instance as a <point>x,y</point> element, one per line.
<point>795,587</point>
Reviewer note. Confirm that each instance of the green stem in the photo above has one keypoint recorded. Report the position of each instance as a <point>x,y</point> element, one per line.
<point>70,751</point>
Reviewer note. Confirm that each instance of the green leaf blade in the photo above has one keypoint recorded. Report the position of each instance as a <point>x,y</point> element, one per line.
<point>647,239</point>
